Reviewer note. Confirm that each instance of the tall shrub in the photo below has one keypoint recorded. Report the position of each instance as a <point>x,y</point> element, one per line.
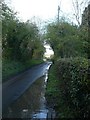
<point>72,75</point>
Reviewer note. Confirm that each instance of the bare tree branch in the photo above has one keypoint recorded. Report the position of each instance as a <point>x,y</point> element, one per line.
<point>79,6</point>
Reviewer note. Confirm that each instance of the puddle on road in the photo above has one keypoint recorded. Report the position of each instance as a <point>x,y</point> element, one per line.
<point>32,104</point>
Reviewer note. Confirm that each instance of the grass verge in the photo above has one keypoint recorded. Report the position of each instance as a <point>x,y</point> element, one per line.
<point>11,68</point>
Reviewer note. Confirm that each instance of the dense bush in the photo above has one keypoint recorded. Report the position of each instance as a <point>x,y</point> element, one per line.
<point>72,88</point>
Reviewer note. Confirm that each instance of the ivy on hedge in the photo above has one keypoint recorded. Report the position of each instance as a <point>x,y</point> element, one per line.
<point>74,91</point>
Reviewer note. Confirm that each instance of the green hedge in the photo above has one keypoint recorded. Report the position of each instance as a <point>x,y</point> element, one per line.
<point>72,89</point>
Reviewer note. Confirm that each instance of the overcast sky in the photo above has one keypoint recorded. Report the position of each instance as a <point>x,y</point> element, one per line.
<point>43,9</point>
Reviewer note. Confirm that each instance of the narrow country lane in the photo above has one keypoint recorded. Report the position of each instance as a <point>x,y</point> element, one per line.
<point>16,86</point>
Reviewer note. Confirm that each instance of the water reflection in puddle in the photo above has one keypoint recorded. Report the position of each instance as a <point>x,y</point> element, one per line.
<point>31,104</point>
<point>40,114</point>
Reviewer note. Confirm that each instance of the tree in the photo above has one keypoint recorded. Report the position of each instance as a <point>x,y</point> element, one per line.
<point>65,39</point>
<point>9,22</point>
<point>85,28</point>
<point>20,39</point>
<point>78,7</point>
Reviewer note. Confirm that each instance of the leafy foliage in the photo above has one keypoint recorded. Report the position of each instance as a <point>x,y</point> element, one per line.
<point>70,90</point>
<point>20,40</point>
<point>66,40</point>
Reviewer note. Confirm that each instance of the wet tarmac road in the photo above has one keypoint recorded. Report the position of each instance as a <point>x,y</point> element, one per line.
<point>16,86</point>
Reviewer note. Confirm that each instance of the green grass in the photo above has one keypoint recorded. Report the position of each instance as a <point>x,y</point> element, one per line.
<point>11,68</point>
<point>33,62</point>
<point>52,89</point>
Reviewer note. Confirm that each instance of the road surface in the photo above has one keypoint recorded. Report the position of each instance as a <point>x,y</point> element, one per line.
<point>16,86</point>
